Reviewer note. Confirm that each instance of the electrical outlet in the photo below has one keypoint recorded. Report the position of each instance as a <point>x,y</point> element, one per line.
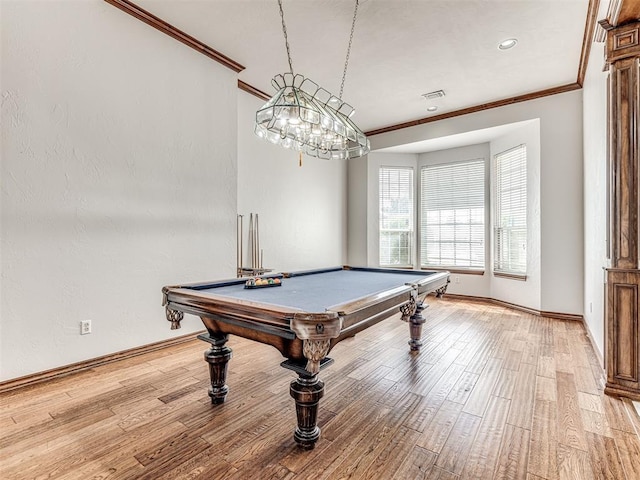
<point>457,279</point>
<point>85,327</point>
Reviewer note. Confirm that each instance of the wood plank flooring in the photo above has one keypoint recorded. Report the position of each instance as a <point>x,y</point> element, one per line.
<point>494,394</point>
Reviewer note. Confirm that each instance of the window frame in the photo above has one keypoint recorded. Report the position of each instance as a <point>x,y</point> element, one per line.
<point>411,232</point>
<point>498,264</point>
<point>464,269</point>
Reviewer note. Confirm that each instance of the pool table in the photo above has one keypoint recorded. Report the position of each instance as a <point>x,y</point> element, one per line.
<point>304,315</point>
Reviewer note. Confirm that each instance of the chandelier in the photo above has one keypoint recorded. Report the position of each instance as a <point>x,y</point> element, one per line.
<point>304,117</point>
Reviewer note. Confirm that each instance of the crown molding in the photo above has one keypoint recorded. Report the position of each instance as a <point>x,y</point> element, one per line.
<point>478,108</point>
<point>168,29</point>
<point>590,32</point>
<point>253,90</point>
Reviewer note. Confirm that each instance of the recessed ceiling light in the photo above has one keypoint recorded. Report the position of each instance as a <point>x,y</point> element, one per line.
<point>507,44</point>
<point>432,108</point>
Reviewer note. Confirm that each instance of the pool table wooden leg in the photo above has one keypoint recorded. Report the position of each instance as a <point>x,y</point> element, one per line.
<point>415,327</point>
<point>217,357</point>
<point>307,390</point>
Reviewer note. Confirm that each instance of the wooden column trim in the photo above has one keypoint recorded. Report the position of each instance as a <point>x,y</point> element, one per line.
<point>623,56</point>
<point>623,42</point>
<point>628,11</point>
<point>622,336</point>
<point>622,320</point>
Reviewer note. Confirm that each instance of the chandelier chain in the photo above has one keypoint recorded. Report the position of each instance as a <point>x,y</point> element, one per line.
<point>304,117</point>
<point>286,39</point>
<point>346,62</point>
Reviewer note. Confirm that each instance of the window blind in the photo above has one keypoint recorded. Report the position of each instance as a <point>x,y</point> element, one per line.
<point>396,216</point>
<point>510,225</point>
<point>452,215</point>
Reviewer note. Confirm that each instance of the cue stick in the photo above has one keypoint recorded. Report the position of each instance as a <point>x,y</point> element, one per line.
<point>251,237</point>
<point>241,222</point>
<point>253,243</point>
<point>241,241</point>
<point>255,238</point>
<point>258,243</point>
<point>237,245</point>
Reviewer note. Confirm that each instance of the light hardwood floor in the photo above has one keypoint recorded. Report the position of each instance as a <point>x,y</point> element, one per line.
<point>494,393</point>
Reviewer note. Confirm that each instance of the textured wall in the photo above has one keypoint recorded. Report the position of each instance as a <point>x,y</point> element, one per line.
<point>302,210</point>
<point>595,193</point>
<point>118,176</point>
<point>357,211</point>
<point>525,293</point>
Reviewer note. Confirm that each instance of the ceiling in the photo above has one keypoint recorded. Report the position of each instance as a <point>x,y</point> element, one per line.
<point>401,49</point>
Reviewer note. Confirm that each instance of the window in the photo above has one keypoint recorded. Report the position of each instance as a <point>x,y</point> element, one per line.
<point>396,216</point>
<point>510,224</point>
<point>452,215</point>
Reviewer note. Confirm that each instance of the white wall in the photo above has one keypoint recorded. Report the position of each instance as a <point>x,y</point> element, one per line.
<point>562,206</point>
<point>595,193</point>
<point>118,176</point>
<point>561,186</point>
<point>357,227</point>
<point>302,210</point>
<point>526,293</point>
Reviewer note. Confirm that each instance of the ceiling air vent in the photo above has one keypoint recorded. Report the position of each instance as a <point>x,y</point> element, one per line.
<point>433,95</point>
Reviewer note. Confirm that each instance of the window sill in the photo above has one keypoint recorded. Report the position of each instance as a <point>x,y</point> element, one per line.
<point>457,271</point>
<point>511,276</point>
